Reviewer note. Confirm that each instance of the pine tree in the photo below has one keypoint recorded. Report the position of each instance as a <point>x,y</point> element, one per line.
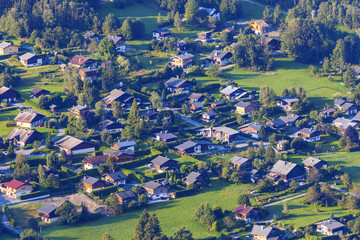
<point>277,15</point>
<point>134,115</point>
<point>152,228</point>
<point>42,175</point>
<point>262,133</point>
<point>110,163</point>
<point>159,20</point>
<point>178,21</point>
<point>139,233</point>
<point>191,10</point>
<point>48,140</point>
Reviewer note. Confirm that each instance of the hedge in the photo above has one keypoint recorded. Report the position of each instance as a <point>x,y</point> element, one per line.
<point>138,163</point>
<point>223,109</point>
<point>32,195</point>
<point>231,119</point>
<point>105,191</point>
<point>68,170</point>
<point>34,162</point>
<point>72,180</point>
<point>8,215</point>
<point>90,172</point>
<point>184,193</point>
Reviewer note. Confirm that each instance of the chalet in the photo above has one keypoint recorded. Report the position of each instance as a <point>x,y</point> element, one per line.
<point>161,34</point>
<point>73,145</point>
<point>88,73</point>
<point>183,60</point>
<point>116,178</point>
<point>124,98</point>
<point>286,102</point>
<point>16,188</point>
<point>181,46</point>
<point>22,137</point>
<point>282,122</point>
<point>287,171</point>
<point>211,12</point>
<point>344,123</point>
<point>330,227</point>
<point>246,213</point>
<point>309,134</point>
<point>277,124</point>
<point>204,37</point>
<point>162,164</point>
<point>30,60</point>
<point>280,144</point>
<point>156,190</point>
<point>47,213</point>
<point>218,57</point>
<point>232,93</point>
<point>110,126</point>
<point>241,163</point>
<point>39,92</point>
<point>8,48</point>
<point>259,27</point>
<point>223,134</point>
<point>79,111</point>
<point>165,136</point>
<point>120,157</point>
<point>246,108</point>
<point>194,178</point>
<point>346,107</point>
<point>191,147</point>
<point>196,107</point>
<point>150,115</point>
<point>196,97</point>
<point>270,43</point>
<point>80,62</point>
<point>119,43</point>
<point>29,119</point>
<point>90,184</point>
<point>314,162</point>
<point>178,85</point>
<point>327,112</point>
<point>8,94</point>
<point>91,36</point>
<point>54,108</point>
<point>209,116</point>
<point>217,104</point>
<point>125,197</point>
<point>124,146</point>
<point>91,162</point>
<point>260,232</point>
<point>251,129</point>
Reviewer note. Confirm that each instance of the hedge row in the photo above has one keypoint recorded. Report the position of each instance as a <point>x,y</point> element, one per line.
<point>139,162</point>
<point>70,180</point>
<point>90,172</point>
<point>184,193</point>
<point>32,195</point>
<point>105,191</point>
<point>8,109</point>
<point>231,124</point>
<point>232,119</point>
<point>8,215</point>
<point>223,109</point>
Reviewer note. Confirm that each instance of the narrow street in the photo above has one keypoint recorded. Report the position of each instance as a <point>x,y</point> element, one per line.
<point>284,200</point>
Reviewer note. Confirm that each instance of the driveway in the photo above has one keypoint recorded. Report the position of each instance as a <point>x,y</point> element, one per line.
<point>59,135</point>
<point>189,120</point>
<point>285,200</point>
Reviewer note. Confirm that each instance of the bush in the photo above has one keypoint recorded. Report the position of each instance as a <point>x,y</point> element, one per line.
<point>105,191</point>
<point>32,195</point>
<point>34,162</point>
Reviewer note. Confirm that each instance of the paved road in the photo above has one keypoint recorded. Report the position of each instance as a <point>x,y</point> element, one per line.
<point>59,135</point>
<point>4,219</point>
<point>192,122</point>
<point>284,200</point>
<point>341,190</point>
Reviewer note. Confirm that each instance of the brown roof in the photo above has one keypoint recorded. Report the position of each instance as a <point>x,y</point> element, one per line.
<point>79,60</point>
<point>73,143</point>
<point>94,160</point>
<point>28,117</point>
<point>243,209</point>
<point>23,135</point>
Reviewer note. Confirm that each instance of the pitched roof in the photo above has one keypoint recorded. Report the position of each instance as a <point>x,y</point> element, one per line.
<point>186,145</point>
<point>115,39</point>
<point>195,96</point>
<point>242,104</point>
<point>117,153</point>
<point>211,113</point>
<point>254,125</point>
<point>289,99</point>
<point>116,176</point>
<point>289,118</point>
<point>192,177</point>
<point>243,209</point>
<point>218,54</point>
<point>126,194</point>
<point>311,161</point>
<point>47,208</point>
<point>28,117</point>
<point>239,160</point>
<point>184,56</point>
<point>96,160</point>
<point>37,90</point>
<point>261,230</point>
<point>70,142</point>
<point>106,124</point>
<point>197,105</point>
<point>22,135</point>
<point>117,95</point>
<point>15,184</point>
<point>162,30</point>
<point>165,135</point>
<point>307,130</point>
<point>229,90</point>
<point>160,160</point>
<point>357,117</point>
<point>226,130</point>
<point>5,45</point>
<point>331,224</point>
<point>79,60</point>
<point>27,56</point>
<point>175,82</point>
<point>125,144</point>
<point>152,185</point>
<point>283,167</point>
<point>90,180</point>
<point>79,107</point>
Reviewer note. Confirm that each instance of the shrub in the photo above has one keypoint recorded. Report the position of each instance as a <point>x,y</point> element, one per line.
<point>105,191</point>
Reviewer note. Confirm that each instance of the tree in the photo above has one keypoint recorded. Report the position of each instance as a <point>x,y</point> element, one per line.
<point>107,236</point>
<point>110,163</point>
<point>262,133</point>
<point>243,199</point>
<point>155,100</point>
<point>152,228</point>
<point>42,175</point>
<point>123,62</point>
<point>159,20</point>
<point>30,234</point>
<point>191,11</point>
<point>313,175</point>
<point>20,159</point>
<point>36,144</point>
<point>182,234</point>
<point>338,58</point>
<point>114,205</point>
<point>349,77</point>
<point>143,200</point>
<point>52,182</point>
<point>270,154</point>
<point>52,160</point>
<point>99,110</point>
<point>277,15</point>
<point>111,25</point>
<point>204,215</point>
<point>346,181</point>
<point>134,115</point>
<point>68,213</point>
<point>107,49</point>
<point>139,233</point>
<point>267,16</point>
<point>109,140</point>
<point>48,140</point>
<point>226,37</point>
<point>213,71</point>
<point>178,21</point>
<point>132,28</point>
<point>313,194</point>
<point>267,96</point>
<point>285,210</point>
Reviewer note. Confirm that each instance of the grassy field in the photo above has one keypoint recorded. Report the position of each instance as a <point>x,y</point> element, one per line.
<point>21,213</point>
<point>5,116</point>
<point>172,215</point>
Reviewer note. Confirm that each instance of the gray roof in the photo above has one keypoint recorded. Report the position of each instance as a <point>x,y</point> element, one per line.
<point>331,224</point>
<point>160,160</point>
<point>47,208</point>
<point>226,130</point>
<point>165,135</point>
<point>239,160</point>
<point>289,118</point>
<point>211,113</point>
<point>278,122</point>
<point>198,105</point>
<point>261,230</point>
<point>311,161</point>
<point>184,56</point>
<point>28,117</point>
<point>186,145</point>
<point>283,167</point>
<point>345,123</point>
<point>4,45</point>
<point>125,144</point>
<point>357,117</point>
<point>115,39</point>
<point>192,177</point>
<point>218,53</point>
<point>126,194</point>
<point>175,82</point>
<point>229,90</point>
<point>307,130</point>
<point>70,142</point>
<point>90,180</point>
<point>254,125</point>
<point>27,56</point>
<point>118,175</point>
<point>162,30</point>
<point>242,104</point>
<point>152,185</point>
<point>117,153</point>
<point>195,96</point>
<point>289,99</point>
<point>79,107</point>
<point>37,90</point>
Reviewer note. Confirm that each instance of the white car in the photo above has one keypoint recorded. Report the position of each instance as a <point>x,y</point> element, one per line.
<point>5,153</point>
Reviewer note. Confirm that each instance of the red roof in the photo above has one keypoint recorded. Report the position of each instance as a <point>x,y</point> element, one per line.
<point>14,184</point>
<point>243,209</point>
<point>79,60</point>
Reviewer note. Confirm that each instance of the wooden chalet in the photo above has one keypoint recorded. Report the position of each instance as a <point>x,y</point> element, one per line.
<point>246,213</point>
<point>73,145</point>
<point>162,164</point>
<point>246,108</point>
<point>156,190</point>
<point>79,111</point>
<point>241,163</point>
<point>125,197</point>
<point>8,94</point>
<point>91,162</point>
<point>116,178</point>
<point>22,137</point>
<point>29,119</point>
<point>259,27</point>
<point>90,184</point>
<point>47,213</point>
<point>16,188</point>
<point>7,48</point>
<point>288,171</point>
<point>165,136</point>
<point>183,60</point>
<point>218,57</point>
<point>39,92</point>
<point>178,85</point>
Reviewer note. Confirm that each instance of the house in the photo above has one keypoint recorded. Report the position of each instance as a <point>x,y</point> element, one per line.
<point>79,111</point>
<point>124,98</point>
<point>287,171</point>
<point>16,188</point>
<point>161,34</point>
<point>120,157</point>
<point>218,57</point>
<point>91,36</point>
<point>91,162</point>
<point>8,48</point>
<point>73,145</point>
<point>196,107</point>
<point>165,136</point>
<point>116,178</point>
<point>260,232</point>
<point>119,43</point>
<point>288,121</point>
<point>8,94</point>
<point>344,123</point>
<point>212,12</point>
<point>191,147</point>
<point>246,108</point>
<point>181,46</point>
<point>327,112</point>
<point>280,144</point>
<point>178,85</point>
<point>162,164</point>
<point>270,43</point>
<point>241,163</point>
<point>231,92</point>
<point>125,197</point>
<point>277,124</point>
<point>30,60</point>
<point>80,62</point>
<point>29,119</point>
<point>110,126</point>
<point>259,27</point>
<point>194,178</point>
<point>204,37</point>
<point>308,134</point>
<point>184,60</point>
<point>346,107</point>
<point>156,190</point>
<point>246,213</point>
<point>22,137</point>
<point>88,73</point>
<point>223,134</point>
<point>5,170</point>
<point>90,184</point>
<point>209,116</point>
<point>39,92</point>
<point>196,97</point>
<point>314,162</point>
<point>251,129</point>
<point>124,146</point>
<point>217,104</point>
<point>286,102</point>
<point>330,227</point>
<point>150,115</point>
<point>47,213</point>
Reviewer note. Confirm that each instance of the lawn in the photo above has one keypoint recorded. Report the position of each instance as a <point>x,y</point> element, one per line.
<point>6,116</point>
<point>302,215</point>
<point>21,213</point>
<point>251,11</point>
<point>172,215</point>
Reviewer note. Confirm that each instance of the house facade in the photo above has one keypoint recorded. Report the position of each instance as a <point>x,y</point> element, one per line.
<point>330,227</point>
<point>218,57</point>
<point>29,119</point>
<point>90,184</point>
<point>22,137</point>
<point>47,213</point>
<point>7,48</point>
<point>16,188</point>
<point>8,94</point>
<point>161,34</point>
<point>72,145</point>
<point>223,134</point>
<point>156,190</point>
<point>246,213</point>
<point>183,60</point>
<point>31,60</point>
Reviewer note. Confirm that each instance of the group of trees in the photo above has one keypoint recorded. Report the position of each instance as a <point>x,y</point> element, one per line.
<point>129,29</point>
